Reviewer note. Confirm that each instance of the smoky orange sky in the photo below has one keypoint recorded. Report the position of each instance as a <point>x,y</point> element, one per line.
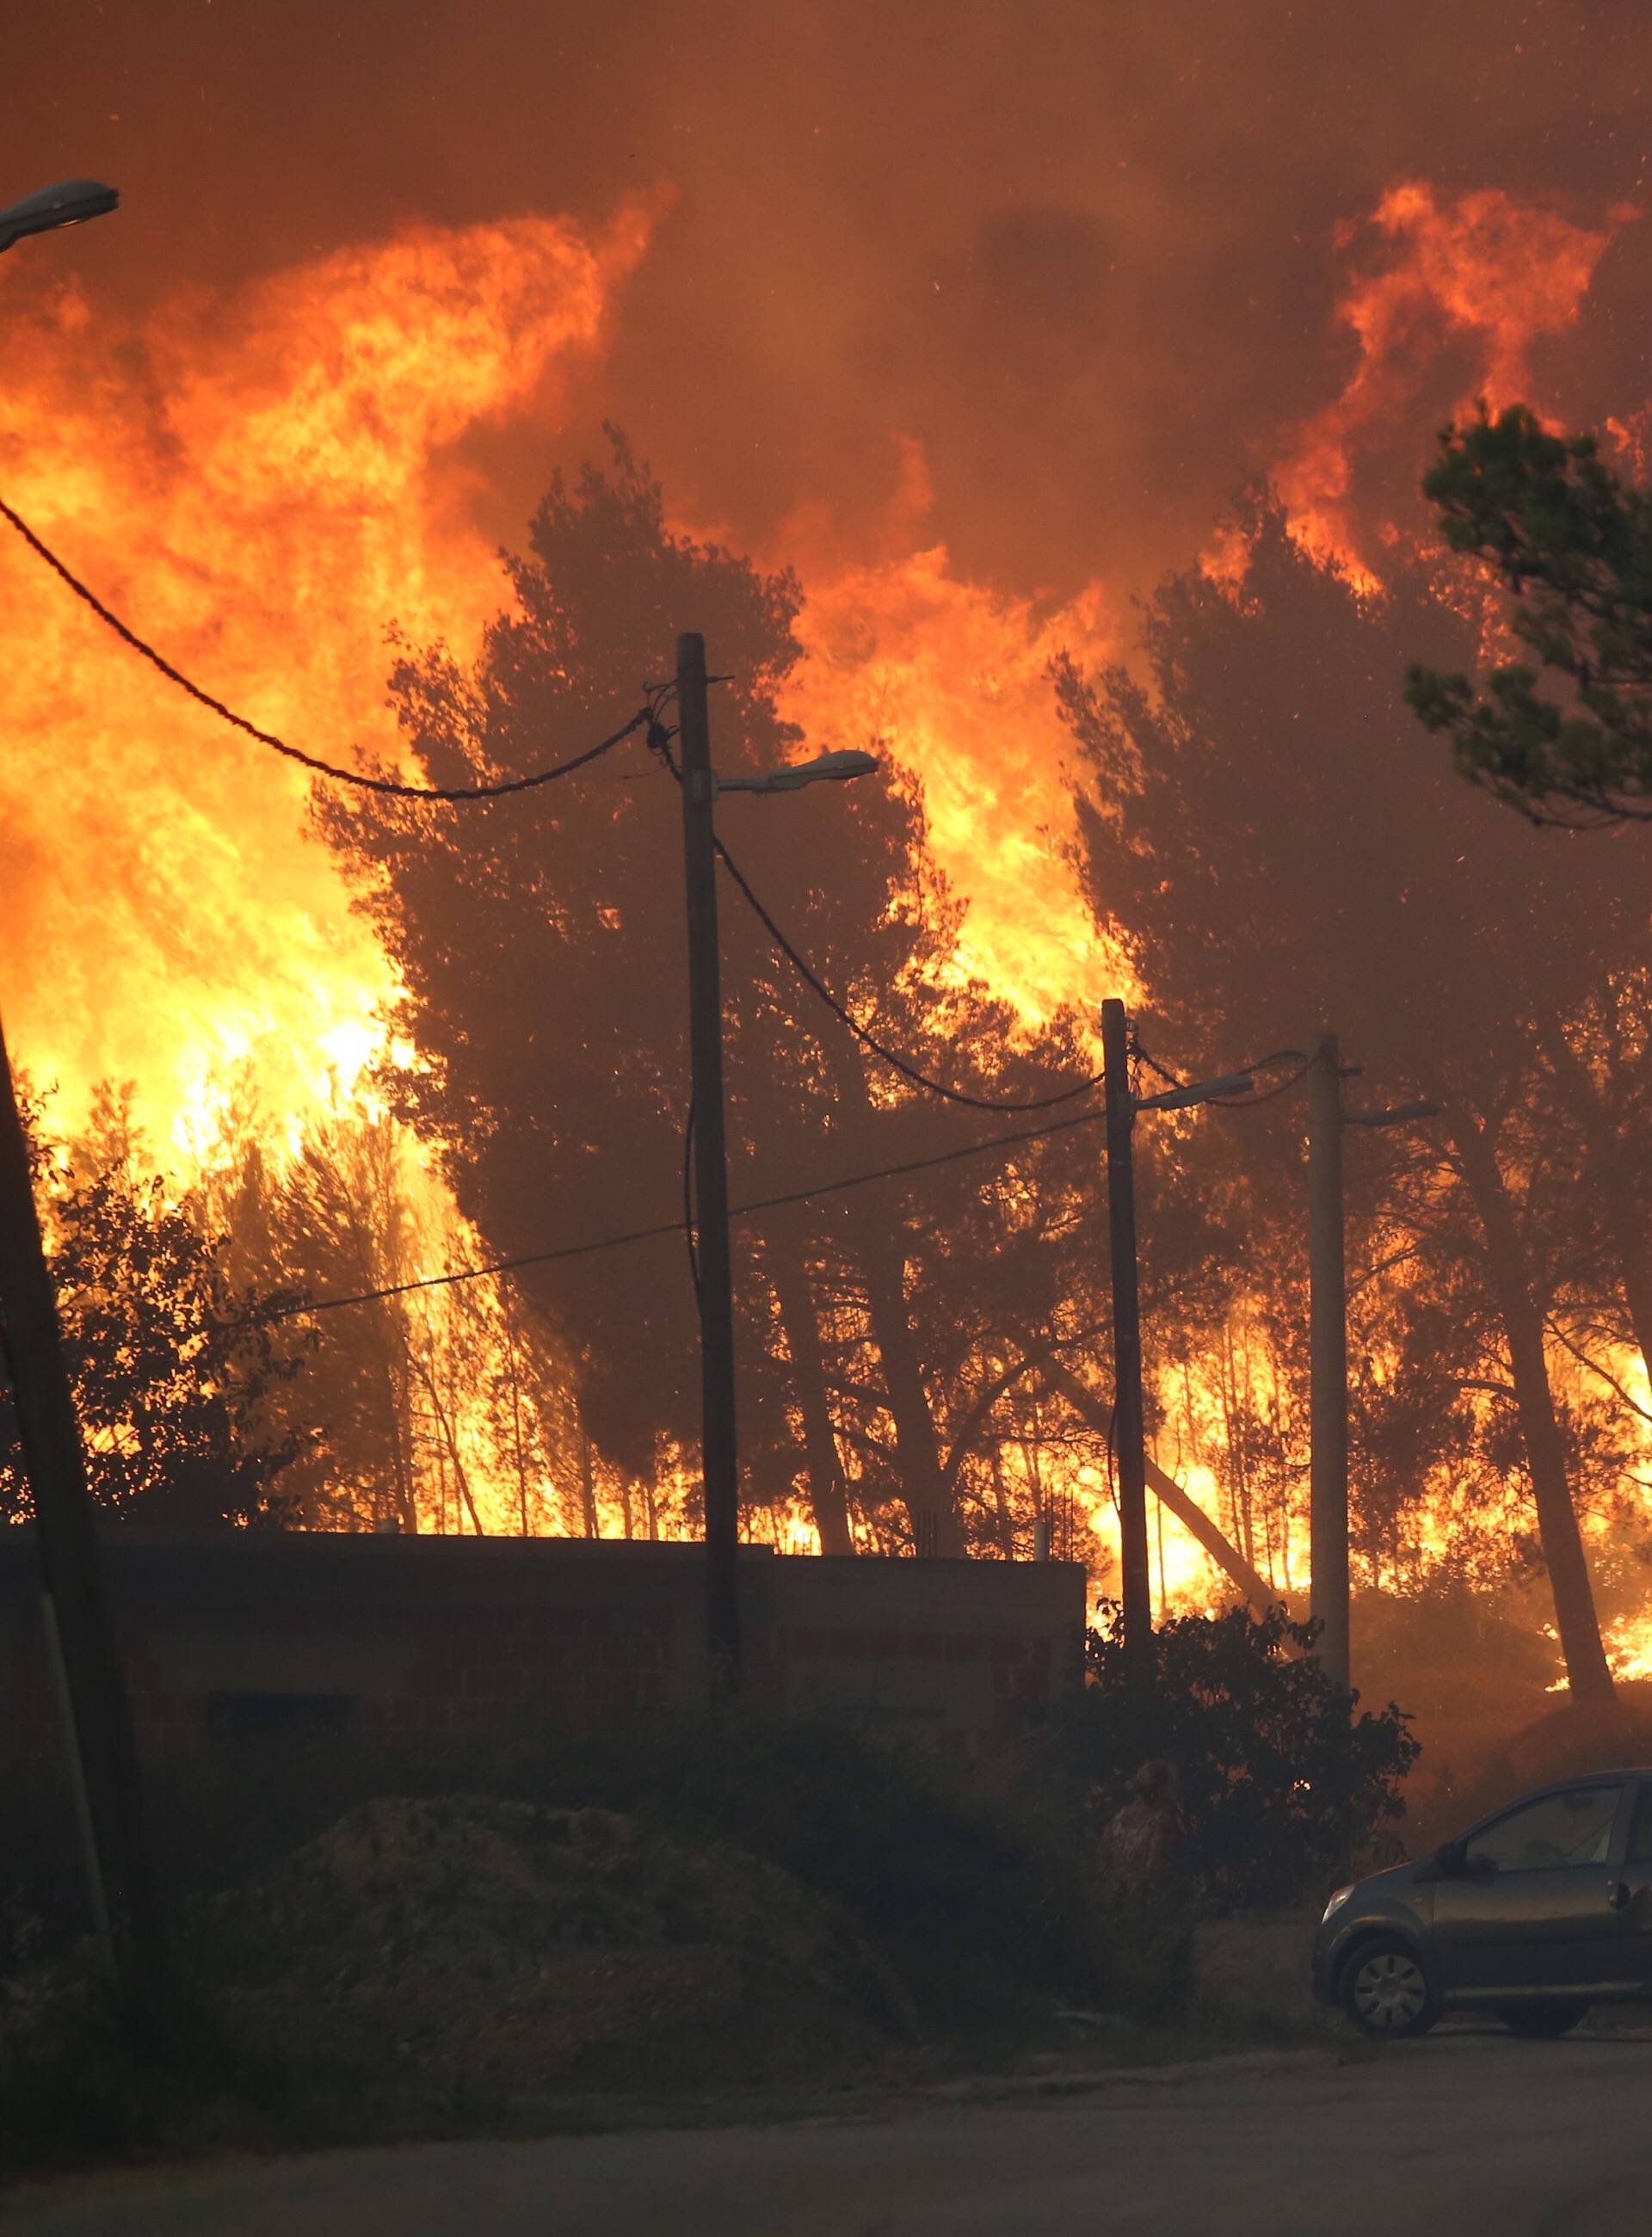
<point>1082,253</point>
<point>978,315</point>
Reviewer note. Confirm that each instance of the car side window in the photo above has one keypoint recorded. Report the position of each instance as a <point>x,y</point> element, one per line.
<point>1640,1827</point>
<point>1572,1827</point>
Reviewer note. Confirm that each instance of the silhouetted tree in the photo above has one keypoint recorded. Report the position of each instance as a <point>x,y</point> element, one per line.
<point>1566,735</point>
<point>540,942</point>
<point>1281,850</point>
<point>176,1371</point>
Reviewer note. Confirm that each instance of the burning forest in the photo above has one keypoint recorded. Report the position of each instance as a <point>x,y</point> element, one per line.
<point>425,483</point>
<point>825,1258</point>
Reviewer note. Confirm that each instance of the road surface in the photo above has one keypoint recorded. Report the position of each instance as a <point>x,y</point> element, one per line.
<point>1468,2134</point>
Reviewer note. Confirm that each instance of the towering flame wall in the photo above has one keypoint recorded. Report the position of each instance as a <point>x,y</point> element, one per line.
<point>265,478</point>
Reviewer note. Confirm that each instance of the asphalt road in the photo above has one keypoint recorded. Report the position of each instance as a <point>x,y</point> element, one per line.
<point>1465,2135</point>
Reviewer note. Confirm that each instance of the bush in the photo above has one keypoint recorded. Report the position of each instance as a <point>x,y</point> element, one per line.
<point>1280,1783</point>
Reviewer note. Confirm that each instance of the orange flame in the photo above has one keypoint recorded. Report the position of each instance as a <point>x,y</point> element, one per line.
<point>260,486</point>
<point>1480,268</point>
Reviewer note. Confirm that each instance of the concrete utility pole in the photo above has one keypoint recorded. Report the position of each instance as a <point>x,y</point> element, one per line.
<point>1328,1343</point>
<point>1328,1361</point>
<point>1129,1422</point>
<point>79,1634</point>
<point>1129,1428</point>
<point>715,1291</point>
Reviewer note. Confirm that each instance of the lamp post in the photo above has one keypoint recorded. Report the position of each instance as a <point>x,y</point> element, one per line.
<point>715,1288</point>
<point>78,1634</point>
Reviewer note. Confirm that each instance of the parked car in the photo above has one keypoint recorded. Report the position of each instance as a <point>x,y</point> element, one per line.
<point>1535,1914</point>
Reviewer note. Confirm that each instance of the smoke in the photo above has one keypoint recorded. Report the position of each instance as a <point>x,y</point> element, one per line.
<point>1085,257</point>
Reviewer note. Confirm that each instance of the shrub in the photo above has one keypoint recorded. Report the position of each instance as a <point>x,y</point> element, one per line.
<point>1281,1783</point>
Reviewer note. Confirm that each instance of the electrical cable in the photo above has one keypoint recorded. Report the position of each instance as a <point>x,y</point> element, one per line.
<point>869,1039</point>
<point>675,1226</point>
<point>659,739</point>
<point>389,786</point>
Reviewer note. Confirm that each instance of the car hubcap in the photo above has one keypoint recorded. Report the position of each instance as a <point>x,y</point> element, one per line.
<point>1390,1991</point>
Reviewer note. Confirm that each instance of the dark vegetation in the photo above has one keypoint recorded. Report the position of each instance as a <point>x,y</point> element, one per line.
<point>1281,846</point>
<point>657,1911</point>
<point>1280,1788</point>
<point>1563,732</point>
<point>176,1373</point>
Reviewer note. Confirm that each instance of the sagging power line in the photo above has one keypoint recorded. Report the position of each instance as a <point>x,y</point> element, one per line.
<point>392,788</point>
<point>659,739</point>
<point>675,1226</point>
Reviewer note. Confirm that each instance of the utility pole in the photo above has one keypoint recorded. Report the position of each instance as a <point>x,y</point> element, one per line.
<point>1129,1422</point>
<point>1328,1361</point>
<point>1328,1342</point>
<point>79,1635</point>
<point>1129,1428</point>
<point>715,1286</point>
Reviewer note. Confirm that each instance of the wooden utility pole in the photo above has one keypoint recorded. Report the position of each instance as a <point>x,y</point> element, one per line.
<point>75,1615</point>
<point>1129,1428</point>
<point>716,1290</point>
<point>1328,1361</point>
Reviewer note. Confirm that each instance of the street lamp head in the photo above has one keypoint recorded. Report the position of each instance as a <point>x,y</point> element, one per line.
<point>71,202</point>
<point>846,763</point>
<point>1202,1091</point>
<point>836,767</point>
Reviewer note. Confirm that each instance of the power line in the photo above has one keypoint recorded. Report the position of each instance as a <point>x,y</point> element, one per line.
<point>675,1226</point>
<point>389,786</point>
<point>659,739</point>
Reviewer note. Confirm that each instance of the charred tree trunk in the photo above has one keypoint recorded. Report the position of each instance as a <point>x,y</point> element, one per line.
<point>789,1271</point>
<point>1587,1671</point>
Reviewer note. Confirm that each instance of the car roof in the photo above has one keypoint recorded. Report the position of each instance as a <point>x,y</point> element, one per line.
<point>1586,1778</point>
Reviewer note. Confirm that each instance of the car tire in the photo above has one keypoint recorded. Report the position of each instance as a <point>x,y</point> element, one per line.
<point>1385,1990</point>
<point>1541,2022</point>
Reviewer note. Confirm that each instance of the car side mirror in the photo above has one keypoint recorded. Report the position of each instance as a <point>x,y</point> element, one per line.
<point>1477,1867</point>
<point>1446,1863</point>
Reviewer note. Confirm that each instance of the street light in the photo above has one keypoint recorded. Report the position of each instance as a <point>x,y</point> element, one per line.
<point>701,785</point>
<point>71,202</point>
<point>825,767</point>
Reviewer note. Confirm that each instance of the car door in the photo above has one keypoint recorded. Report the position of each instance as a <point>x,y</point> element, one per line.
<point>1532,1905</point>
<point>1632,1894</point>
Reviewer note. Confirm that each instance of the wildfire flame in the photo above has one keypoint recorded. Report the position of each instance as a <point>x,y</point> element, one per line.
<point>262,485</point>
<point>1481,269</point>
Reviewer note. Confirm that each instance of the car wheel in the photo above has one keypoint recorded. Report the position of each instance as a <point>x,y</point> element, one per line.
<point>1387,1991</point>
<point>1543,2022</point>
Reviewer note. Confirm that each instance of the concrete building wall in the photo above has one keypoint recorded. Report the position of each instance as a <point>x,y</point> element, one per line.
<point>456,1637</point>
